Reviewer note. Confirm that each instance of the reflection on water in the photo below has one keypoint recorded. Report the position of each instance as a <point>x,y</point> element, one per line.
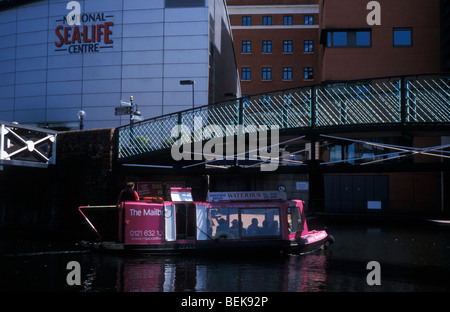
<point>415,257</point>
<point>174,274</point>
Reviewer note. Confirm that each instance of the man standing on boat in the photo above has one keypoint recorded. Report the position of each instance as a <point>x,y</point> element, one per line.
<point>128,194</point>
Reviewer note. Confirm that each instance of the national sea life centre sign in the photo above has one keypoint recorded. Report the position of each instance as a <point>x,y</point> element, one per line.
<point>83,33</point>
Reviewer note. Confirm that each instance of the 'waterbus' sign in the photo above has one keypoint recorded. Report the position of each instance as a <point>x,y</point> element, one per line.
<point>239,196</point>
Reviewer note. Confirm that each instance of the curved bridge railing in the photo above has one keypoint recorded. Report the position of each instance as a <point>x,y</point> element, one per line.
<point>402,100</point>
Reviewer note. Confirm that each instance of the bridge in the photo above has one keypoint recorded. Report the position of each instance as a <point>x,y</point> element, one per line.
<point>305,117</point>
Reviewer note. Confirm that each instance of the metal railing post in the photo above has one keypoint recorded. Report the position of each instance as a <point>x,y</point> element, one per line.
<point>403,111</point>
<point>312,107</point>
<point>239,130</point>
<point>284,118</point>
<point>240,120</point>
<point>179,124</point>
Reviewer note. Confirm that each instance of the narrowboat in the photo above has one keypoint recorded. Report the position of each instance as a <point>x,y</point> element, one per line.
<point>228,222</point>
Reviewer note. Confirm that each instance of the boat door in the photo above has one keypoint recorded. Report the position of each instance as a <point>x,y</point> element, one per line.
<point>185,218</point>
<point>180,221</point>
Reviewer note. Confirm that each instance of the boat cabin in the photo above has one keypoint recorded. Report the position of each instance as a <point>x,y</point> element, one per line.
<point>233,216</point>
<point>245,220</point>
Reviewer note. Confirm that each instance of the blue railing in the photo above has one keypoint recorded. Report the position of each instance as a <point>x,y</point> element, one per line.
<point>420,99</point>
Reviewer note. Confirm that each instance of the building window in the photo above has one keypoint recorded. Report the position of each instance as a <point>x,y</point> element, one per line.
<point>287,46</point>
<point>363,39</point>
<point>252,224</point>
<point>308,73</point>
<point>402,37</point>
<point>287,20</point>
<point>246,46</point>
<point>246,73</point>
<point>246,20</point>
<point>267,73</point>
<point>267,46</point>
<point>308,46</point>
<point>309,20</point>
<point>349,39</point>
<point>337,39</point>
<point>287,73</point>
<point>184,3</point>
<point>267,20</point>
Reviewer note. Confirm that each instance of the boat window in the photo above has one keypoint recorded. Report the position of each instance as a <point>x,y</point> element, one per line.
<point>294,220</point>
<point>225,223</point>
<point>257,222</point>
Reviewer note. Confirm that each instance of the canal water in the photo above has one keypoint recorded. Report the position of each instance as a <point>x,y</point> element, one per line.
<point>413,256</point>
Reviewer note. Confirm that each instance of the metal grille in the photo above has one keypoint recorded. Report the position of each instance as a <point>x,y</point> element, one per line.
<point>23,145</point>
<point>428,99</point>
<point>147,136</point>
<point>358,103</point>
<point>289,109</point>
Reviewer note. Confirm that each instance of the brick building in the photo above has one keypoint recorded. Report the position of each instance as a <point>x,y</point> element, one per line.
<point>276,43</point>
<point>291,43</point>
<point>407,41</point>
<point>445,35</point>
